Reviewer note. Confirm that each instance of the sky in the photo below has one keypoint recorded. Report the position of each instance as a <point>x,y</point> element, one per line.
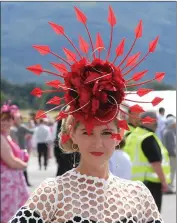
<point>24,24</point>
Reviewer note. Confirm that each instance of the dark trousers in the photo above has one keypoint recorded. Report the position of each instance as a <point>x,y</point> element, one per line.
<point>156,191</point>
<point>42,151</point>
<point>26,177</point>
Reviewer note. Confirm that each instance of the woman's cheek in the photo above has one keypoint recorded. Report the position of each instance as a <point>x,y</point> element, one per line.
<point>110,143</point>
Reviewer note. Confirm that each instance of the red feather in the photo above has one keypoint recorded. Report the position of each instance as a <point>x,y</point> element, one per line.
<point>122,124</point>
<point>40,114</point>
<point>54,83</point>
<point>43,50</point>
<point>65,138</point>
<point>138,29</point>
<point>60,67</point>
<point>159,76</point>
<point>37,69</point>
<point>84,46</point>
<point>116,136</point>
<point>111,17</point>
<point>99,42</point>
<point>143,91</point>
<point>70,55</point>
<point>136,108</point>
<point>80,16</point>
<point>58,29</point>
<point>120,48</point>
<point>36,92</point>
<point>54,101</point>
<point>153,44</point>
<point>132,59</point>
<point>61,115</point>
<point>148,120</point>
<point>156,101</point>
<point>137,76</point>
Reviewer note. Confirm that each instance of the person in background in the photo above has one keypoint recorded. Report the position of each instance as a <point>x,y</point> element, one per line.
<point>133,121</point>
<point>42,139</point>
<point>51,124</point>
<point>120,164</point>
<point>160,122</point>
<point>170,115</point>
<point>13,161</point>
<point>169,141</point>
<point>18,134</point>
<point>32,121</point>
<point>150,160</point>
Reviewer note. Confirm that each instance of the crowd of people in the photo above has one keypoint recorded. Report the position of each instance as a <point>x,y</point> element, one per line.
<point>141,155</point>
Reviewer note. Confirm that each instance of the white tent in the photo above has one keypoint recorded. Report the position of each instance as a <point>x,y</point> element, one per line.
<point>169,102</point>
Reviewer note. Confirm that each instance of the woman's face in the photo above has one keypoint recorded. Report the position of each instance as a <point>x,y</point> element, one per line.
<point>98,147</point>
<point>6,124</point>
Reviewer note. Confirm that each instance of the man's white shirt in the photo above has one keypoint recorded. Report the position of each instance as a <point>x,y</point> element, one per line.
<point>42,134</point>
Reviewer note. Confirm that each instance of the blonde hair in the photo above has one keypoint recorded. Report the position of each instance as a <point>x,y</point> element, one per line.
<point>65,126</point>
<point>68,147</point>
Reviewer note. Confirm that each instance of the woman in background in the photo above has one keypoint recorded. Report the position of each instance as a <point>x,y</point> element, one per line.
<point>13,161</point>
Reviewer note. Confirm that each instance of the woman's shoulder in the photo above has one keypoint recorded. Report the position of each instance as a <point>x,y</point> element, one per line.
<point>136,187</point>
<point>43,200</point>
<point>137,194</point>
<point>54,183</point>
<point>41,205</point>
<point>48,187</point>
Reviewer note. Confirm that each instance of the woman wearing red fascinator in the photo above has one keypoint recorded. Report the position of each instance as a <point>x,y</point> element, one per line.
<point>94,90</point>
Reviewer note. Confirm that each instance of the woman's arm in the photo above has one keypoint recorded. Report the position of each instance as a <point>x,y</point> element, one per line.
<point>41,205</point>
<point>8,157</point>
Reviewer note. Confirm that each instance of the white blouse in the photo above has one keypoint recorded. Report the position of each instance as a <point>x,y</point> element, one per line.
<point>74,197</point>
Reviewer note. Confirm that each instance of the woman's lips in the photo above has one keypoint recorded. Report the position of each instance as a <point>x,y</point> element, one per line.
<point>97,153</point>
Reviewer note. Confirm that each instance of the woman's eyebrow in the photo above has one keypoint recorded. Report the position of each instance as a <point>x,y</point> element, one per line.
<point>108,129</point>
<point>102,130</point>
<point>83,129</point>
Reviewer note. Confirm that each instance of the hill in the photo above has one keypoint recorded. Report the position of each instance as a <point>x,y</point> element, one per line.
<point>20,94</point>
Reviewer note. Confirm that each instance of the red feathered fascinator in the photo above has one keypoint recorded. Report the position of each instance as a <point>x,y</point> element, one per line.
<point>94,88</point>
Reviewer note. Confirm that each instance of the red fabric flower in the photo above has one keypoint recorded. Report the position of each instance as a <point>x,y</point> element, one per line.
<point>95,88</point>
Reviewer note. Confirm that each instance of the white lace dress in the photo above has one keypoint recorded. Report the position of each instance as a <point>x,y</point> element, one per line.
<point>73,197</point>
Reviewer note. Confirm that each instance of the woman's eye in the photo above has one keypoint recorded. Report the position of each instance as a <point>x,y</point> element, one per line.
<point>85,133</point>
<point>106,133</point>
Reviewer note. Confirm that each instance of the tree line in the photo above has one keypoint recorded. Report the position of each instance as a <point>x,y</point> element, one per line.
<point>20,94</point>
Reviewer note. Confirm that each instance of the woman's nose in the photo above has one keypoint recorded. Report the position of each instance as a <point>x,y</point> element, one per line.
<point>97,141</point>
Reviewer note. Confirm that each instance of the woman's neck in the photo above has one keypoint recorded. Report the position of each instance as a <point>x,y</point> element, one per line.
<point>90,170</point>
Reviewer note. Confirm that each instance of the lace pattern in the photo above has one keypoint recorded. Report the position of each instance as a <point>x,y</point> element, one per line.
<point>92,199</point>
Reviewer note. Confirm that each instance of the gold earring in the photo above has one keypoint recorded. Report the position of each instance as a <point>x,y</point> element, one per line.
<point>75,147</point>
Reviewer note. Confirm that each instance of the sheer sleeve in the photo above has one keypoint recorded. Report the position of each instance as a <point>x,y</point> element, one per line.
<point>151,213</point>
<point>41,205</point>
